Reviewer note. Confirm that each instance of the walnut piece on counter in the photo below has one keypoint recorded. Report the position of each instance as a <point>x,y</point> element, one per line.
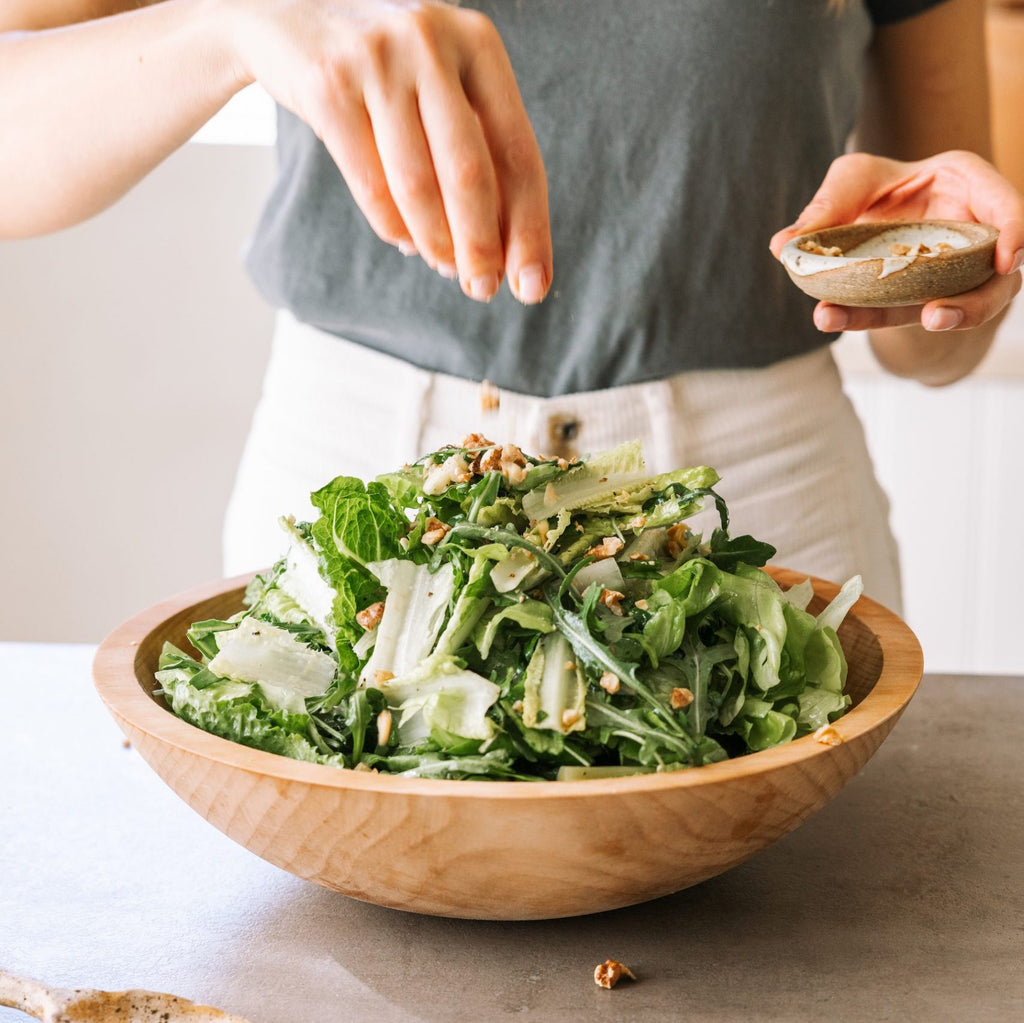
<point>610,972</point>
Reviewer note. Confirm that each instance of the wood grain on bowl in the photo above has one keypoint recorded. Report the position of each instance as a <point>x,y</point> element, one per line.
<point>500,849</point>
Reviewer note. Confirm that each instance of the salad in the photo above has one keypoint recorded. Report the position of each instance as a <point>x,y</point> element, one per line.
<point>489,614</point>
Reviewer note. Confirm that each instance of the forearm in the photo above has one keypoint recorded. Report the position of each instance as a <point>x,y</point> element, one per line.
<point>415,100</point>
<point>931,357</point>
<point>943,53</point>
<point>87,110</point>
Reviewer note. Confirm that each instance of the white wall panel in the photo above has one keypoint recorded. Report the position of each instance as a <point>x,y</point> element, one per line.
<point>951,461</point>
<point>132,350</point>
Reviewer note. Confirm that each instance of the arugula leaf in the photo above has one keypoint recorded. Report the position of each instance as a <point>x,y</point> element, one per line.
<point>488,614</point>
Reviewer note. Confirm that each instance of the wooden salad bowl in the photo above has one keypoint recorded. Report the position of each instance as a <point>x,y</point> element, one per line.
<point>502,850</point>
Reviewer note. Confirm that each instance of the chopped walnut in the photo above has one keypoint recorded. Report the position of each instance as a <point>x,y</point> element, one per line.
<point>509,460</point>
<point>515,474</point>
<point>680,698</point>
<point>610,972</point>
<point>678,537</point>
<point>517,706</point>
<point>610,682</point>
<point>384,727</point>
<point>828,736</point>
<point>490,397</point>
<point>919,249</point>
<point>486,461</point>
<point>434,531</point>
<point>642,604</point>
<point>476,440</point>
<point>612,599</point>
<point>512,458</point>
<point>607,548</point>
<point>369,618</point>
<point>637,522</point>
<point>513,455</point>
<point>811,245</point>
<point>914,251</point>
<point>380,676</point>
<point>569,718</point>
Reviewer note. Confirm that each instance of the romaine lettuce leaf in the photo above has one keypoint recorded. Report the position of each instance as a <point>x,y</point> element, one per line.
<point>414,612</point>
<point>357,525</point>
<point>485,613</point>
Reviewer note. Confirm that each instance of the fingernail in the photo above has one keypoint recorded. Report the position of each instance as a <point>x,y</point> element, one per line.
<point>447,271</point>
<point>1018,261</point>
<point>482,288</point>
<point>945,318</point>
<point>831,320</point>
<point>531,284</point>
<point>407,248</point>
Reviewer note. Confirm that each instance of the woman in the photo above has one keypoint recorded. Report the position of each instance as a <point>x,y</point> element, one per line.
<point>677,137</point>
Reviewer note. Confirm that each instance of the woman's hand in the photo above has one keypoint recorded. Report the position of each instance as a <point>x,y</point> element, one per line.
<point>417,103</point>
<point>950,186</point>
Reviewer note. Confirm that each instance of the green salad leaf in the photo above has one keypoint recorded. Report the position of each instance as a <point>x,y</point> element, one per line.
<point>488,614</point>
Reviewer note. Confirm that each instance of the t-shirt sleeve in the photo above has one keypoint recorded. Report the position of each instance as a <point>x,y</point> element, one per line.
<point>884,12</point>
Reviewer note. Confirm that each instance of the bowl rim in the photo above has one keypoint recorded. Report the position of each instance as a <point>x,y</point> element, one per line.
<point>988,238</point>
<point>119,687</point>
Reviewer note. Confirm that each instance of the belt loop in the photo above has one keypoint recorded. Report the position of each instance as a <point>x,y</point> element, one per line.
<point>663,423</point>
<point>417,403</point>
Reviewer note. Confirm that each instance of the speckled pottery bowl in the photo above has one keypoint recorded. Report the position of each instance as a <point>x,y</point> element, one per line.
<point>891,263</point>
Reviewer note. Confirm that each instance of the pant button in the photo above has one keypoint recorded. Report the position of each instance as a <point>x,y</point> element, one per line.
<point>562,431</point>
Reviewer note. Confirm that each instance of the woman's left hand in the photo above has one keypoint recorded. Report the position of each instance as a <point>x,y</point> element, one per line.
<point>955,185</point>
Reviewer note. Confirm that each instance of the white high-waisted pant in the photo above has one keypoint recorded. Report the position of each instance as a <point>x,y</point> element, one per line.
<point>785,440</point>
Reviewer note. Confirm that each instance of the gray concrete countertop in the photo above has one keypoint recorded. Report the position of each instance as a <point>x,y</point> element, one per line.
<point>902,899</point>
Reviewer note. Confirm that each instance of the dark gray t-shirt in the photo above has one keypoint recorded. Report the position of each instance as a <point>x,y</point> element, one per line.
<point>678,136</point>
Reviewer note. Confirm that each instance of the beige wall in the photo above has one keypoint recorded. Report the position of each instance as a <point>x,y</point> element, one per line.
<point>132,350</point>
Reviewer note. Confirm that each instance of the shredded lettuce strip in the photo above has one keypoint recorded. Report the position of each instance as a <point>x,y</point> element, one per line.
<point>490,614</point>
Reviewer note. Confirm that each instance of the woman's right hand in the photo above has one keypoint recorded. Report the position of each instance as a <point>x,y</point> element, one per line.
<point>417,103</point>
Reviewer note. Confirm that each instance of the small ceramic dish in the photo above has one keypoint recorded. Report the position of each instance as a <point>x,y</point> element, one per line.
<point>891,263</point>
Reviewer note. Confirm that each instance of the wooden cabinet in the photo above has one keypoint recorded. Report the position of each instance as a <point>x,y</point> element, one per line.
<point>1006,71</point>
